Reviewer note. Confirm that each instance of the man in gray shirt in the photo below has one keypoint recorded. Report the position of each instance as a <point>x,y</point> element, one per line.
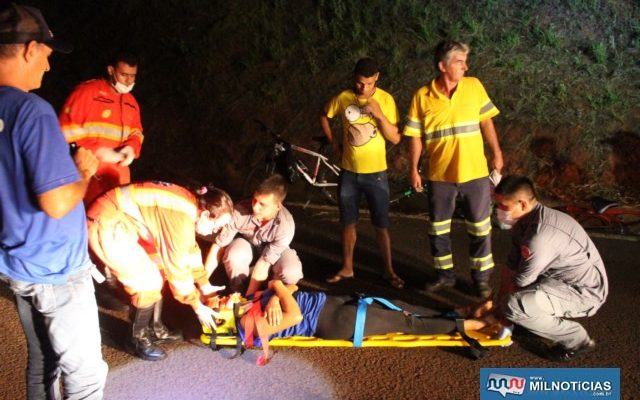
<point>260,231</point>
<point>554,273</point>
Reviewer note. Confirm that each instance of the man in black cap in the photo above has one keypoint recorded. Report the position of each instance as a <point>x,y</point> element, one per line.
<point>43,235</point>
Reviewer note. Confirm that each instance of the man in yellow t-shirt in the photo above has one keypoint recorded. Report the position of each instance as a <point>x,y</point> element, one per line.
<point>369,118</point>
<point>452,115</point>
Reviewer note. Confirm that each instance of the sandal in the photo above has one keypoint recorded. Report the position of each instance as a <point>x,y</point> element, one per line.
<point>395,281</point>
<point>338,277</point>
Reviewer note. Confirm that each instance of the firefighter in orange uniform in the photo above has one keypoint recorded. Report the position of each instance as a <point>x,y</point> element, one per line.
<point>104,117</point>
<point>146,234</point>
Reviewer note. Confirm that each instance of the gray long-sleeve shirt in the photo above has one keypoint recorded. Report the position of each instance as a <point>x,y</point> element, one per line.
<point>552,250</point>
<point>273,238</point>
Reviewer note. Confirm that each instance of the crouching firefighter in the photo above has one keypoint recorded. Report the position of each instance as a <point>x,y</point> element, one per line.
<point>146,234</point>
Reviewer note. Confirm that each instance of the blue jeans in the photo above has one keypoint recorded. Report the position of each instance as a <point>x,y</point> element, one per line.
<point>375,188</point>
<point>60,323</point>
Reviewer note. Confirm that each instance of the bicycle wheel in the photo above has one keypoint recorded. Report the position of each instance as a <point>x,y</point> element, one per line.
<point>601,224</point>
<point>629,221</point>
<point>256,175</point>
<point>326,176</point>
<point>397,165</point>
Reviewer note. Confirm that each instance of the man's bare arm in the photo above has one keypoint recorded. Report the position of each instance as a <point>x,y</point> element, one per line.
<point>491,137</point>
<point>258,276</point>
<point>389,131</point>
<point>57,202</point>
<point>415,150</point>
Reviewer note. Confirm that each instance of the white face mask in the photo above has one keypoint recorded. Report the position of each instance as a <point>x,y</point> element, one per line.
<point>122,88</point>
<point>206,226</point>
<point>505,219</point>
<point>221,222</point>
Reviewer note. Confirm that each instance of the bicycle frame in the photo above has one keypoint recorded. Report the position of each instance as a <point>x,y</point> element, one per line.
<point>320,159</point>
<point>613,219</point>
<point>312,171</point>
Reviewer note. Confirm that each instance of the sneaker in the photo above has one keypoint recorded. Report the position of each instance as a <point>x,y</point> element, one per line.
<point>560,353</point>
<point>482,289</point>
<point>439,284</point>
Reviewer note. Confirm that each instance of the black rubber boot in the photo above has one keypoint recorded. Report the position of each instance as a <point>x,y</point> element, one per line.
<point>446,279</point>
<point>482,289</point>
<point>481,285</point>
<point>159,332</point>
<point>141,341</point>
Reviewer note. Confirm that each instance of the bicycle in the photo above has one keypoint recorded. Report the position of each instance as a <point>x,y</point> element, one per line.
<point>314,167</point>
<point>293,161</point>
<point>605,216</point>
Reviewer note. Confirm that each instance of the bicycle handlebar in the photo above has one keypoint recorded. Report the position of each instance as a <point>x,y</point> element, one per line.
<point>410,192</point>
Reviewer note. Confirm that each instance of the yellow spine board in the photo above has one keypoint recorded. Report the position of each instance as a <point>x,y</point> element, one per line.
<point>486,338</point>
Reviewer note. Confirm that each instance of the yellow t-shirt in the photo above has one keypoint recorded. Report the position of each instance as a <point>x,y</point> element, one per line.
<point>451,129</point>
<point>363,144</point>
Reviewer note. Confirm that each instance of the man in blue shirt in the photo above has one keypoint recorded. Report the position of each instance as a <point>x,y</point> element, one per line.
<point>43,235</point>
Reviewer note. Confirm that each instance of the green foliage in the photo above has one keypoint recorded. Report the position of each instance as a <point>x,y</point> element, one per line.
<point>599,51</point>
<point>216,65</point>
<point>546,36</point>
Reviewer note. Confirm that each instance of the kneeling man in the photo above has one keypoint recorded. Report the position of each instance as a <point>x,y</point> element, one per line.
<point>554,271</point>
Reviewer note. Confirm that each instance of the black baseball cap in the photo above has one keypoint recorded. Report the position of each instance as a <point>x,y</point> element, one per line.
<point>22,24</point>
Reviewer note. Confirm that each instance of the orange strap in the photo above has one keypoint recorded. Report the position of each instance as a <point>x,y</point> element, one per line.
<point>254,320</point>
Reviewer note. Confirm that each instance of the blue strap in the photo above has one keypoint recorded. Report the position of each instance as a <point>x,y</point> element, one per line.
<point>361,316</point>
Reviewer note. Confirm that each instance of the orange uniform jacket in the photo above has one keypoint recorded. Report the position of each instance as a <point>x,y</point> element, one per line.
<point>163,216</point>
<point>95,116</point>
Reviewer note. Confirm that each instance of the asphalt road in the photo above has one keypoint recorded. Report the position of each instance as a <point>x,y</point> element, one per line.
<point>192,372</point>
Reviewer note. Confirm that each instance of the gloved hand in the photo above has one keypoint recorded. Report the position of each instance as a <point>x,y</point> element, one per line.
<point>128,154</point>
<point>495,177</point>
<point>206,316</point>
<point>108,155</point>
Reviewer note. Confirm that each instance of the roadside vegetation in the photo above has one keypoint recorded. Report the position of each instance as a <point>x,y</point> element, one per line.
<point>565,75</point>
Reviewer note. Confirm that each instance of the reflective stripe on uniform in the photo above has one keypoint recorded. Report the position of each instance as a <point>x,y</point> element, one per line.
<point>460,130</point>
<point>440,227</point>
<point>482,263</point>
<point>481,228</point>
<point>125,200</point>
<point>443,262</point>
<point>486,108</point>
<point>413,124</point>
<point>155,197</point>
<point>114,133</point>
